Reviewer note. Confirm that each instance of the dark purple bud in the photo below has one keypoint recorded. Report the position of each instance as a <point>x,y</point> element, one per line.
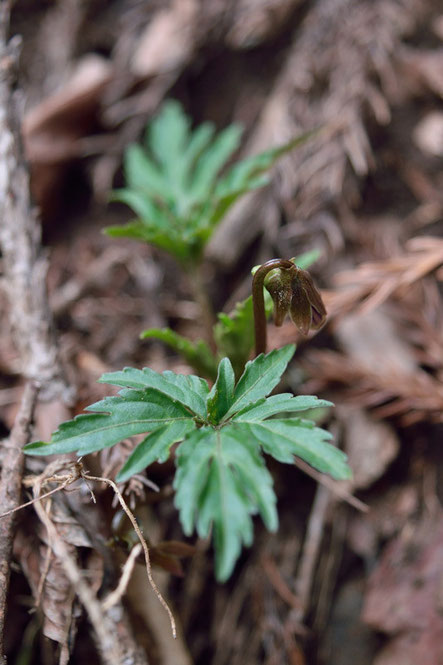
<point>300,309</point>
<point>306,298</point>
<point>278,284</point>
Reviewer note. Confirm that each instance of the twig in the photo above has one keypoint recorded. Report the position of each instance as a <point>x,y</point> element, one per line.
<point>116,595</point>
<point>106,637</point>
<point>332,485</point>
<point>66,480</point>
<point>311,549</point>
<point>276,579</point>
<point>24,268</point>
<point>76,473</point>
<point>49,556</point>
<point>136,528</point>
<point>10,489</point>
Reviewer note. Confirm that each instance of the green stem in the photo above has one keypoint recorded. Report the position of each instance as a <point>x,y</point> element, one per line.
<point>258,300</point>
<point>202,299</point>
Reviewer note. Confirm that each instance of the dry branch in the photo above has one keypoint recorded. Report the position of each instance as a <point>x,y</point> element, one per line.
<point>24,265</point>
<point>24,281</point>
<point>10,490</point>
<point>108,644</point>
<point>311,549</point>
<point>23,276</point>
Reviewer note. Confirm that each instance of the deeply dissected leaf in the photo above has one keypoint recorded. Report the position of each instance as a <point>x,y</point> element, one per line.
<point>260,377</point>
<point>143,175</point>
<point>240,175</point>
<point>284,402</point>
<point>212,161</point>
<point>176,186</point>
<point>222,393</point>
<point>190,391</point>
<point>115,418</point>
<point>142,230</point>
<point>221,480</point>
<point>155,447</point>
<point>285,438</point>
<point>167,137</point>
<point>144,207</point>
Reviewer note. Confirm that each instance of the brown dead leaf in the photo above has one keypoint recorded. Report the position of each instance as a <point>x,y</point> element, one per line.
<point>413,397</point>
<point>53,130</point>
<point>426,67</point>
<point>372,283</point>
<point>428,134</point>
<point>174,27</point>
<point>371,445</point>
<point>405,596</point>
<point>49,586</point>
<point>256,21</point>
<point>388,515</point>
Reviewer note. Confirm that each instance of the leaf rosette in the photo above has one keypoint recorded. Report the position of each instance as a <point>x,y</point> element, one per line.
<point>222,480</point>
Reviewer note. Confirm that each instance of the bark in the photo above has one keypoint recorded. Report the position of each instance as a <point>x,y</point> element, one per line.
<point>10,490</point>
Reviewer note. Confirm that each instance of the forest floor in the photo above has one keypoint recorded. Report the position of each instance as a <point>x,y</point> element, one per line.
<point>342,581</point>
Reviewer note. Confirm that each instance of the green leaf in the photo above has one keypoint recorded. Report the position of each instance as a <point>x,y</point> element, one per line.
<point>305,260</point>
<point>143,175</point>
<point>212,161</point>
<point>116,418</point>
<point>188,390</point>
<point>175,184</point>
<point>260,377</point>
<point>222,393</point>
<point>225,202</point>
<point>167,137</point>
<point>199,140</point>
<point>285,438</point>
<point>141,230</point>
<point>234,334</point>
<point>143,206</point>
<point>135,229</point>
<point>197,354</point>
<point>284,402</point>
<point>222,481</point>
<point>155,447</point>
<point>241,174</point>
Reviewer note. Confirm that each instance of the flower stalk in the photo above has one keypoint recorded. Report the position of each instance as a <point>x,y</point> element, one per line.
<point>293,292</point>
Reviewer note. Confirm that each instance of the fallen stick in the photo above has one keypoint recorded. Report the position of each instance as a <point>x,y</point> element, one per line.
<point>10,491</point>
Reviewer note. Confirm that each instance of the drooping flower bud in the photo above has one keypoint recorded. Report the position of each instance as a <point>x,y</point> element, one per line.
<point>278,284</point>
<point>307,309</point>
<point>292,290</point>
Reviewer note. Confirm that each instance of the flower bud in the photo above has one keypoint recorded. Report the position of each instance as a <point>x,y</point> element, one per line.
<point>306,309</point>
<point>278,284</point>
<point>300,308</point>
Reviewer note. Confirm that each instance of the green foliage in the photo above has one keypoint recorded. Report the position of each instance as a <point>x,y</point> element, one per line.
<point>178,185</point>
<point>221,480</point>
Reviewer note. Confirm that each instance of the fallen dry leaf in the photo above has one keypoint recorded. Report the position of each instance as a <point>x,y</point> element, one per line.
<point>405,596</point>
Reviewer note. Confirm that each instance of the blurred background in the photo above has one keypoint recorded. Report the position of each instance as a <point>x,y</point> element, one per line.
<point>338,584</point>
